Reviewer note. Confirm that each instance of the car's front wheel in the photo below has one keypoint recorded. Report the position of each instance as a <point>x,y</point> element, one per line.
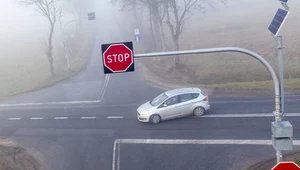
<point>155,119</point>
<point>199,111</point>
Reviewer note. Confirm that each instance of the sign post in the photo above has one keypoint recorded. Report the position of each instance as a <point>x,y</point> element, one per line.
<point>118,57</point>
<point>137,36</point>
<point>282,131</point>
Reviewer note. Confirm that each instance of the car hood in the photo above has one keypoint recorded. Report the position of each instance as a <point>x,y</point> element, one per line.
<point>145,107</point>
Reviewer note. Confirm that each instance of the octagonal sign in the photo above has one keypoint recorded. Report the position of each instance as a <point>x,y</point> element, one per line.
<point>286,166</point>
<point>118,57</point>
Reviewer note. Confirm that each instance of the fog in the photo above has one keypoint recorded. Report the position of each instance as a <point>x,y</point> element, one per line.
<point>22,28</point>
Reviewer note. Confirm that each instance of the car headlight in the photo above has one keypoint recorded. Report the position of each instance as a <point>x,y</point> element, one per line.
<point>143,113</point>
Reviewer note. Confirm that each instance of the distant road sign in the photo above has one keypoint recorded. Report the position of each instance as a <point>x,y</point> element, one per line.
<point>286,166</point>
<point>136,31</point>
<point>137,37</point>
<point>278,21</point>
<point>118,57</point>
<point>91,16</point>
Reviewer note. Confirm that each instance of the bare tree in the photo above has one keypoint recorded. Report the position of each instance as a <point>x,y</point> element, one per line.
<point>153,7</point>
<point>51,10</point>
<point>178,12</point>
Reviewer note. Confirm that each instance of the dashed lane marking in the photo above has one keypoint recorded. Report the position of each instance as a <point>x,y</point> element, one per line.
<point>115,117</point>
<point>250,115</point>
<point>37,118</point>
<point>61,118</point>
<point>14,118</point>
<point>88,117</point>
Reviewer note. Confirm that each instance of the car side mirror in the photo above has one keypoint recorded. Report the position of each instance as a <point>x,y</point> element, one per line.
<point>165,105</point>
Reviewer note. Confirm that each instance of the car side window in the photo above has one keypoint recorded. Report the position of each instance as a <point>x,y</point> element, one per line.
<point>171,101</point>
<point>185,97</point>
<point>195,95</point>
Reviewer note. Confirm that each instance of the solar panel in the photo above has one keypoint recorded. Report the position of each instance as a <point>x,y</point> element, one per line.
<point>285,1</point>
<point>278,21</point>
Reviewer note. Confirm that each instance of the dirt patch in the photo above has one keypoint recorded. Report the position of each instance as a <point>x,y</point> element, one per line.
<point>15,157</point>
<point>270,163</point>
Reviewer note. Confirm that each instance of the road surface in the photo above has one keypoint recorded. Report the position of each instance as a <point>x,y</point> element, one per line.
<point>89,122</point>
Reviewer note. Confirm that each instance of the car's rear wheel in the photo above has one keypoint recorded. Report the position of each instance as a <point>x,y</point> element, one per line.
<point>155,119</point>
<point>199,111</point>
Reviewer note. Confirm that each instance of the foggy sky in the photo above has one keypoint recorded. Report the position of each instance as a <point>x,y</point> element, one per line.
<point>24,25</point>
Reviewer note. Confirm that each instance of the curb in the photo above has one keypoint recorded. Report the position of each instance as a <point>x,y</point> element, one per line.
<point>268,164</point>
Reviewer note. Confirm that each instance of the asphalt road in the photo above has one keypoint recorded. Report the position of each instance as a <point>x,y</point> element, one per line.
<point>80,124</point>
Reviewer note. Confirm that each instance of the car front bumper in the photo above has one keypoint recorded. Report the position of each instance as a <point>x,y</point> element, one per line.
<point>142,118</point>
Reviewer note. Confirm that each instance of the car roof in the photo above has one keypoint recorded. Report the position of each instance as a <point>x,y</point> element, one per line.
<point>182,91</point>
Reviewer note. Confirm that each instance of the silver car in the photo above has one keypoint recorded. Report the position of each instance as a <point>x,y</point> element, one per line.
<point>174,103</point>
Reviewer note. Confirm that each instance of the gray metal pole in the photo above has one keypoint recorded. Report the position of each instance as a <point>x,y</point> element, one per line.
<point>65,42</point>
<point>281,81</point>
<point>277,112</point>
<point>280,70</point>
<point>67,53</point>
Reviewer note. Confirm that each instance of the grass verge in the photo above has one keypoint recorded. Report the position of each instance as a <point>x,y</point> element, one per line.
<point>33,74</point>
<point>291,84</point>
<point>270,163</point>
<point>15,157</point>
<point>297,162</point>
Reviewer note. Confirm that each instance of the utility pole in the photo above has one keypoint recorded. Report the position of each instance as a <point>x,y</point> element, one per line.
<point>91,16</point>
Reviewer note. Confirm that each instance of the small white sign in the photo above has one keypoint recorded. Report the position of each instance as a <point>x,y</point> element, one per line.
<point>137,37</point>
<point>136,31</point>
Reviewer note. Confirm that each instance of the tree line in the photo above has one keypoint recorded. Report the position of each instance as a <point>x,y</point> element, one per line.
<point>172,14</point>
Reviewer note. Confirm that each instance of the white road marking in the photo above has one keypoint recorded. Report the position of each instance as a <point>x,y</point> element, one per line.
<point>107,77</point>
<point>14,118</point>
<point>37,118</point>
<point>51,103</point>
<point>115,117</point>
<point>87,117</point>
<point>198,141</point>
<point>118,142</point>
<point>119,105</point>
<point>118,160</point>
<point>61,118</point>
<point>114,157</point>
<point>248,115</point>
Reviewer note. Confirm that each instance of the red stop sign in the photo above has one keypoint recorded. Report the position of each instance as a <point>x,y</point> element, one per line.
<point>118,58</point>
<point>286,166</point>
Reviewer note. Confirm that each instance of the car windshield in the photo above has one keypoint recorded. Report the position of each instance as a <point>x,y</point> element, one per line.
<point>157,100</point>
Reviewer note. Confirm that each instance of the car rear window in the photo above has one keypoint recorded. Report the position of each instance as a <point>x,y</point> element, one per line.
<point>203,93</point>
<point>195,95</point>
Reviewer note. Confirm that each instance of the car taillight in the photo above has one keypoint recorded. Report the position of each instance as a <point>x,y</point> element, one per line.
<point>205,99</point>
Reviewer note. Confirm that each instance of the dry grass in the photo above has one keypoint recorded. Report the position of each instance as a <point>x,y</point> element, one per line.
<point>28,71</point>
<point>14,157</point>
<point>232,70</point>
<point>292,84</point>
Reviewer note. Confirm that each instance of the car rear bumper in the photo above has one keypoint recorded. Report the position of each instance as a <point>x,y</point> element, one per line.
<point>207,107</point>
